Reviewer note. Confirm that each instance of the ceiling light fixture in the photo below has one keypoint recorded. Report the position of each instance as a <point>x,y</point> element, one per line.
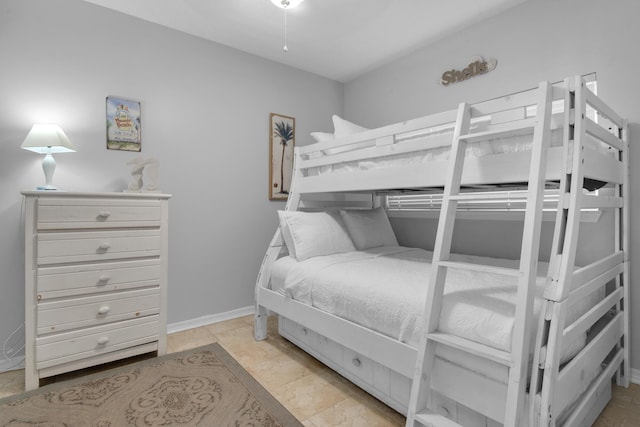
<point>286,4</point>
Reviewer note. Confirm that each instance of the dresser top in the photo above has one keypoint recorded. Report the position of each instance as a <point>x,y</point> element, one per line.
<point>109,195</point>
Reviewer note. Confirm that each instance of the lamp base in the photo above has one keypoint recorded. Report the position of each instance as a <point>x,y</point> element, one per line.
<point>49,167</point>
<point>47,188</point>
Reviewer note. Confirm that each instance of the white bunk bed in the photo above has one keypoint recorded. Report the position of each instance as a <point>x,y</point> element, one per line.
<point>558,135</point>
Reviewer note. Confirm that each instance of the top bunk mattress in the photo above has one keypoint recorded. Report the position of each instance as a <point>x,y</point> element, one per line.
<point>422,161</point>
<point>384,289</point>
<point>438,143</point>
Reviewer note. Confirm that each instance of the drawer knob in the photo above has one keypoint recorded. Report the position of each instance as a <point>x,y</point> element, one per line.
<point>444,411</point>
<point>104,246</point>
<point>103,340</point>
<point>104,214</point>
<point>104,309</point>
<point>102,280</point>
<point>356,362</point>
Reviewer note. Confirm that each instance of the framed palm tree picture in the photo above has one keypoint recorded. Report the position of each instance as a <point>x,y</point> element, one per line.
<point>282,135</point>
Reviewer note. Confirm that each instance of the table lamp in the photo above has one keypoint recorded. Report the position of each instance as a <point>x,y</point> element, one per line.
<point>46,139</point>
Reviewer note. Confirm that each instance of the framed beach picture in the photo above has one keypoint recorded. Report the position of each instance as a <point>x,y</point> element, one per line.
<point>282,136</point>
<point>123,124</point>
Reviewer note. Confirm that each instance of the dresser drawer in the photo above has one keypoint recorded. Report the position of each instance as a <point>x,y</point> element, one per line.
<point>358,365</point>
<point>298,332</point>
<point>63,213</point>
<point>59,248</point>
<point>73,313</point>
<point>66,347</point>
<point>65,281</point>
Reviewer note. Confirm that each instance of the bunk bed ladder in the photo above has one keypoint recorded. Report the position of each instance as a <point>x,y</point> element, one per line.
<point>420,411</point>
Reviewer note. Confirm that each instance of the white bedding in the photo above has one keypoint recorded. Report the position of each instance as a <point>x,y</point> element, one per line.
<point>496,146</point>
<point>384,289</point>
<point>512,144</point>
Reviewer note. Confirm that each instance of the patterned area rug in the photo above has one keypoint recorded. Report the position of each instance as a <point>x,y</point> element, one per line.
<point>199,387</point>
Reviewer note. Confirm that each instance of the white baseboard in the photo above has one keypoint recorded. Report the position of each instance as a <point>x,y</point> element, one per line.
<point>209,319</point>
<point>635,376</point>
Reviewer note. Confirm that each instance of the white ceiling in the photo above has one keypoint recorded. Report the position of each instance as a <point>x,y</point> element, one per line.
<point>338,39</point>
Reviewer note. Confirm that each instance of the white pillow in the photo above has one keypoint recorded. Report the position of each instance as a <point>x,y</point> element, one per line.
<point>286,233</point>
<point>369,228</point>
<point>342,127</point>
<point>322,136</point>
<point>309,234</point>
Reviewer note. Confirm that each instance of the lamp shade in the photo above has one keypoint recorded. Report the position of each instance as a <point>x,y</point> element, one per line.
<point>47,138</point>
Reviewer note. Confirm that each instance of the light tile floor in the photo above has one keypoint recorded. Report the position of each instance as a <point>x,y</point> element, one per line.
<point>312,392</point>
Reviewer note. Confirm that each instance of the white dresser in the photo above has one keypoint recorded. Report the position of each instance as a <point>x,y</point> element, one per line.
<point>95,279</point>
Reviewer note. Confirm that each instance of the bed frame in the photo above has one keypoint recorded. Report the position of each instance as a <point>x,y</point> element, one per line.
<point>429,389</point>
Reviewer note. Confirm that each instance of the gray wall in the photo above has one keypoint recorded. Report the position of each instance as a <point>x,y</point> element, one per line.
<point>205,116</point>
<point>538,40</point>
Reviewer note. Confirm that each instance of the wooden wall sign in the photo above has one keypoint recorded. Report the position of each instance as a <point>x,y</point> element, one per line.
<point>476,67</point>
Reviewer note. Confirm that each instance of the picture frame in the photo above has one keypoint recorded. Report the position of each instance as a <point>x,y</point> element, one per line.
<point>123,124</point>
<point>282,131</point>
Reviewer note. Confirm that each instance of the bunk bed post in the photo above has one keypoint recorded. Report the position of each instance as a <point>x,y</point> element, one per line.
<point>293,201</point>
<point>377,201</point>
<point>275,247</point>
<point>261,313</point>
<point>622,243</point>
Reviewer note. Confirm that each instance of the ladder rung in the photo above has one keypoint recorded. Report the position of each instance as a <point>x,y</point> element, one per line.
<point>431,419</point>
<point>603,135</point>
<point>472,347</point>
<point>520,127</point>
<point>588,201</point>
<point>504,271</point>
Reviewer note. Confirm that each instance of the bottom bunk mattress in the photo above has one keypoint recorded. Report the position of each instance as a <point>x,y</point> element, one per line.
<point>384,289</point>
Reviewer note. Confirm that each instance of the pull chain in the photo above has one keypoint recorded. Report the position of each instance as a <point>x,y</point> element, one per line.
<point>285,4</point>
